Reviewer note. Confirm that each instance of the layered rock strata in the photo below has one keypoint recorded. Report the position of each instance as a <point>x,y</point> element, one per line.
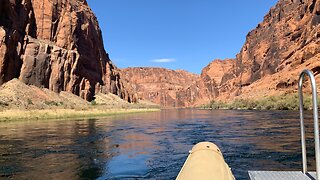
<point>275,52</point>
<point>269,63</point>
<point>162,86</point>
<point>57,44</point>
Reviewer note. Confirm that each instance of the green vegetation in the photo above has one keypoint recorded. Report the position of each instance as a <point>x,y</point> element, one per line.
<point>281,102</point>
<point>52,103</point>
<point>93,103</point>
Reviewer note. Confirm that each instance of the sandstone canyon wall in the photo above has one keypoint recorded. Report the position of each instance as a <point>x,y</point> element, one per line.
<point>161,86</point>
<point>269,63</point>
<point>57,44</point>
<point>275,52</point>
<point>175,88</point>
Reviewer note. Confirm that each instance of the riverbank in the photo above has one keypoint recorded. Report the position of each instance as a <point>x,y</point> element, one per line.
<point>46,114</point>
<point>280,102</point>
<point>19,101</point>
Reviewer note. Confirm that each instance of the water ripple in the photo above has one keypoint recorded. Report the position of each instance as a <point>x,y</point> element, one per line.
<point>151,146</point>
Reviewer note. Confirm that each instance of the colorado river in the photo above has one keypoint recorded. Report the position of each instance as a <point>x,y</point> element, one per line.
<point>150,145</point>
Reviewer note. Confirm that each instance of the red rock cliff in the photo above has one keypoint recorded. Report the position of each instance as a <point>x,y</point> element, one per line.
<point>166,87</point>
<point>56,44</point>
<point>275,52</point>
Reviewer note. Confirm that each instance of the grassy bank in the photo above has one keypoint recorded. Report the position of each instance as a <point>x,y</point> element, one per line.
<point>281,102</point>
<point>12,115</point>
<point>19,101</point>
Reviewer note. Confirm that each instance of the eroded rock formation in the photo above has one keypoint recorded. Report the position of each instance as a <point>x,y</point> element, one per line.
<point>275,52</point>
<point>56,44</point>
<point>166,87</point>
<point>269,63</point>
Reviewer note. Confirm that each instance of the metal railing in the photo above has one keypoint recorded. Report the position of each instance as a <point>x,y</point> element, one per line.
<point>315,121</point>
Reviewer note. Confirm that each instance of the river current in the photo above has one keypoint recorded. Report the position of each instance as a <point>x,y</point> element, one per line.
<point>150,145</point>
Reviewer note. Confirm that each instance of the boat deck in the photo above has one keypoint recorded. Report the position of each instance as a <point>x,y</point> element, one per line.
<point>281,175</point>
<point>299,175</point>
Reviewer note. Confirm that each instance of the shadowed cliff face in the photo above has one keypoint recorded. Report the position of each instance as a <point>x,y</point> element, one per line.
<point>56,44</point>
<point>275,52</point>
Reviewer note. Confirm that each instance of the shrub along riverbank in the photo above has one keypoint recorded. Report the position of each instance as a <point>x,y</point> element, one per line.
<point>281,102</point>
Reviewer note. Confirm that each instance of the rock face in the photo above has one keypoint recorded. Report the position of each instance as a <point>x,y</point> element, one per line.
<point>269,63</point>
<point>56,44</point>
<point>166,87</point>
<point>218,71</point>
<point>275,52</point>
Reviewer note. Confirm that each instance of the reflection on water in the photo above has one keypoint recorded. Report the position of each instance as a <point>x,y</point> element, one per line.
<point>150,146</point>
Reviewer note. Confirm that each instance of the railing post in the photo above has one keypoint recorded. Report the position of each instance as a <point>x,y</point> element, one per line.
<point>315,121</point>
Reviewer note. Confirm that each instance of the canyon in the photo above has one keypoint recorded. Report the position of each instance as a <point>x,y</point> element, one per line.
<point>58,45</point>
<point>269,63</point>
<point>160,85</point>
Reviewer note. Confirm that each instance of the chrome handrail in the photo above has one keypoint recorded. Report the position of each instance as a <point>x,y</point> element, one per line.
<point>315,121</point>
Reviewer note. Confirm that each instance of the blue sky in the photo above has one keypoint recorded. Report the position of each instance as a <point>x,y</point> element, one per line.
<point>176,34</point>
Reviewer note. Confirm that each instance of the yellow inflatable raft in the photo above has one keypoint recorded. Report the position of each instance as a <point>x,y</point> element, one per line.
<point>205,162</point>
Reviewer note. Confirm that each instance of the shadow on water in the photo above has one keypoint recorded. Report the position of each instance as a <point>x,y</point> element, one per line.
<point>152,145</point>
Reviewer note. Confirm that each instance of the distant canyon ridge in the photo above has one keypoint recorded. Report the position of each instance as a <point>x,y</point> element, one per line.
<point>58,45</point>
<point>269,63</point>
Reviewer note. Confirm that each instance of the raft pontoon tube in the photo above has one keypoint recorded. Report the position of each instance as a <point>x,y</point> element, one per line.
<point>205,161</point>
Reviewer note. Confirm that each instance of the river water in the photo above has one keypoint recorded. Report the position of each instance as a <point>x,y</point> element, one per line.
<point>150,145</point>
